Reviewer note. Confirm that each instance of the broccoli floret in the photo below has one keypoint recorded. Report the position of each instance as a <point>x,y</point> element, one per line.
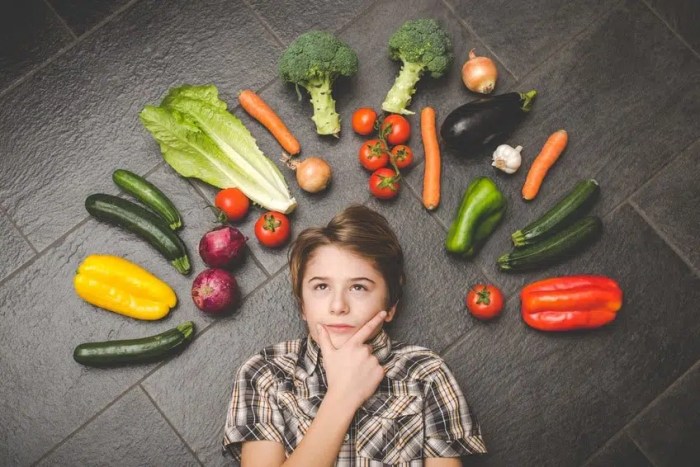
<point>314,60</point>
<point>423,46</point>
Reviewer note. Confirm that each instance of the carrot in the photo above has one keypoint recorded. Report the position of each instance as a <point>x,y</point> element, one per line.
<point>549,154</point>
<point>263,113</point>
<point>431,174</point>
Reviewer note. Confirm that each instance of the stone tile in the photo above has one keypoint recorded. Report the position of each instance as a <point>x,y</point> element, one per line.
<point>31,34</point>
<point>671,201</point>
<point>620,452</point>
<point>83,15</point>
<point>131,432</point>
<point>14,250</point>
<point>669,429</point>
<point>81,112</point>
<point>530,31</point>
<point>46,395</point>
<point>290,19</point>
<point>592,90</point>
<point>196,404</point>
<point>683,16</point>
<point>576,390</point>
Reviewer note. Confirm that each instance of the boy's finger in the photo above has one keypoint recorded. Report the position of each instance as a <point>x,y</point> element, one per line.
<point>370,326</point>
<point>324,340</point>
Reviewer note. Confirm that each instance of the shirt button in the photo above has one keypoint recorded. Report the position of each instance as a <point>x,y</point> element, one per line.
<point>346,437</point>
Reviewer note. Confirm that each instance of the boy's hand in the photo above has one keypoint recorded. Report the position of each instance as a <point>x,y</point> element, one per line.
<point>352,371</point>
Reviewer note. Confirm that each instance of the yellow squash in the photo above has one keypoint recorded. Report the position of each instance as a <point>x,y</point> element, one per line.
<point>117,285</point>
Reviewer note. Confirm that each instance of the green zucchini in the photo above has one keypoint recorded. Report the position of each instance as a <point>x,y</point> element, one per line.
<point>569,208</point>
<point>142,222</point>
<point>145,349</point>
<point>553,249</point>
<point>148,194</point>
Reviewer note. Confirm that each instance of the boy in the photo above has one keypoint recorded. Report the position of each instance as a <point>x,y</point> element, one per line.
<point>347,394</point>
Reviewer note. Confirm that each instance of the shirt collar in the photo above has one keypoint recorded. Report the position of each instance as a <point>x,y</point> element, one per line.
<point>381,348</point>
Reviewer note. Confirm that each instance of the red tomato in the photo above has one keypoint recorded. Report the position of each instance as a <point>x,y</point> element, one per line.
<point>374,154</point>
<point>484,301</point>
<point>272,229</point>
<point>363,120</point>
<point>402,156</point>
<point>384,183</point>
<point>233,203</point>
<point>395,129</point>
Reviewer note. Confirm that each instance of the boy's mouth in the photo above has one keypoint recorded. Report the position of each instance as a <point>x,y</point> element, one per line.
<point>340,328</point>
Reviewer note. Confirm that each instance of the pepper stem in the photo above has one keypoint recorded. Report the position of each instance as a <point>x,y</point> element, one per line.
<point>527,99</point>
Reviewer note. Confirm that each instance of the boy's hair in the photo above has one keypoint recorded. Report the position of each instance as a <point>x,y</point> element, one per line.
<point>361,230</point>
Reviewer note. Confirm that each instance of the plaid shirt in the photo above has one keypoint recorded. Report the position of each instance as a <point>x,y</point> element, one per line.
<point>417,411</point>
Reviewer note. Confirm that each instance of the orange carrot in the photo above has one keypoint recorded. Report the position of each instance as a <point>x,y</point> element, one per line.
<point>549,154</point>
<point>431,174</point>
<point>259,110</point>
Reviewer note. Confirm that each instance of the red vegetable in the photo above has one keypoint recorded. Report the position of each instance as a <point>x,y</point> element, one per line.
<point>402,156</point>
<point>570,302</point>
<point>395,129</point>
<point>215,291</point>
<point>272,229</point>
<point>363,120</point>
<point>384,183</point>
<point>222,247</point>
<point>484,301</point>
<point>233,203</point>
<point>373,154</point>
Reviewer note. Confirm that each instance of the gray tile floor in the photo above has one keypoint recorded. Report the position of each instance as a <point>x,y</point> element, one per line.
<point>623,77</point>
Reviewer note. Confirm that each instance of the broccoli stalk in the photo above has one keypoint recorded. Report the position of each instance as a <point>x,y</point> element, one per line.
<point>423,46</point>
<point>314,60</point>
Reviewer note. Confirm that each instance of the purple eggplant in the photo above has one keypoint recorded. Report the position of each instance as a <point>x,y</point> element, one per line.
<point>476,124</point>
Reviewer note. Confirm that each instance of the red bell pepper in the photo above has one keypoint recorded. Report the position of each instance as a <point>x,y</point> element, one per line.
<point>570,302</point>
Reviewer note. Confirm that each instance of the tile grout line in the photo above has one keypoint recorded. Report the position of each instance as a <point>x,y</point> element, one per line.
<point>642,412</point>
<point>172,427</point>
<point>60,18</point>
<point>664,238</point>
<point>21,234</point>
<point>471,31</point>
<point>64,50</point>
<point>264,24</point>
<point>675,33</point>
<point>639,447</point>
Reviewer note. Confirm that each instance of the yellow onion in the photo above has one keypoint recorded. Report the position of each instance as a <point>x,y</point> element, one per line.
<point>479,73</point>
<point>313,173</point>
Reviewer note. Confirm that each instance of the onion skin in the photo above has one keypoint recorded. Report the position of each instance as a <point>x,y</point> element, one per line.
<point>313,173</point>
<point>222,247</point>
<point>215,291</point>
<point>479,74</point>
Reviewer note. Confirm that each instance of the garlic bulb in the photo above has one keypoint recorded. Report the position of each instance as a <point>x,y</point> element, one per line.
<point>507,159</point>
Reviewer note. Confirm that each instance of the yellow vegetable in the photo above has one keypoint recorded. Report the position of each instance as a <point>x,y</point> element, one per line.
<point>117,285</point>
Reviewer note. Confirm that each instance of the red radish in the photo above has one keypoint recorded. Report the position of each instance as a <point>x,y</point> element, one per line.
<point>222,247</point>
<point>215,291</point>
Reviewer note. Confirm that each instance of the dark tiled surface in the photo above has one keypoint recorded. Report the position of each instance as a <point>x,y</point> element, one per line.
<point>676,411</point>
<point>541,399</point>
<point>30,34</point>
<point>620,452</point>
<point>681,15</point>
<point>576,390</point>
<point>125,434</point>
<point>670,201</point>
<point>83,15</point>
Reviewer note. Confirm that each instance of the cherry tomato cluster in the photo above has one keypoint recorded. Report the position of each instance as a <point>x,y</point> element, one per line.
<point>385,155</point>
<point>272,229</point>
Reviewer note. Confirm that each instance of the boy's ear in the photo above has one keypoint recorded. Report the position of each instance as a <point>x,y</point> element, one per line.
<point>390,312</point>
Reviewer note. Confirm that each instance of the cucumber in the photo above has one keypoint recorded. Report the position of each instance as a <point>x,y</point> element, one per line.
<point>142,222</point>
<point>572,206</point>
<point>145,349</point>
<point>553,249</point>
<point>148,194</point>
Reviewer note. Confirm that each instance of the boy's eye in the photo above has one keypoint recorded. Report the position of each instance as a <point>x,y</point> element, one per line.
<point>320,287</point>
<point>359,287</point>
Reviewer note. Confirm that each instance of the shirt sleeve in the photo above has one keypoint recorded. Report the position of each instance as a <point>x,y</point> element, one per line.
<point>451,430</point>
<point>253,414</point>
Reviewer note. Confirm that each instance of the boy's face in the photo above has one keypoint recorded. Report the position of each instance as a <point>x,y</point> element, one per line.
<point>342,291</point>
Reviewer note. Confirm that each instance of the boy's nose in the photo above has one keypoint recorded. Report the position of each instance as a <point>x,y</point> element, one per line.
<point>339,304</point>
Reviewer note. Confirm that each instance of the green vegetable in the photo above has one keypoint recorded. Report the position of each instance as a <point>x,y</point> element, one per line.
<point>314,60</point>
<point>482,208</point>
<point>148,194</point>
<point>568,209</point>
<point>423,47</point>
<point>554,249</point>
<point>199,138</point>
<point>142,222</point>
<point>146,349</point>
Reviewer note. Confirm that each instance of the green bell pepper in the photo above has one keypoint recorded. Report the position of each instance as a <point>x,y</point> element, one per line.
<point>482,208</point>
